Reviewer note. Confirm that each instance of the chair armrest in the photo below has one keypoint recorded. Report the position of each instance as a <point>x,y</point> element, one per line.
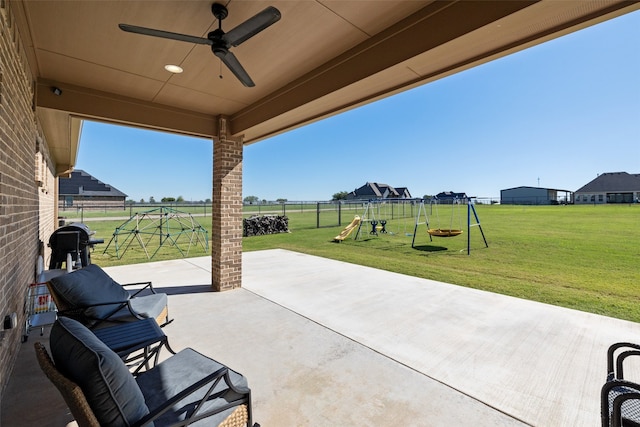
<point>147,285</point>
<point>210,380</point>
<point>614,363</point>
<point>620,360</point>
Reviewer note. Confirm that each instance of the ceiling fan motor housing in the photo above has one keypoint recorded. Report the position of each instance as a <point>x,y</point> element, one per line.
<point>217,42</point>
<point>219,11</point>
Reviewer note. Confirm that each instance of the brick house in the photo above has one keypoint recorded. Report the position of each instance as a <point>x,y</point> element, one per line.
<point>82,189</point>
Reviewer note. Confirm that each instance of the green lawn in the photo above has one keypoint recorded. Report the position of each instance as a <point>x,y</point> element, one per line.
<point>581,257</point>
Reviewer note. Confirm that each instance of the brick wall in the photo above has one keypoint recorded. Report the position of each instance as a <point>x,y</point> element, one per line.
<point>47,196</point>
<point>226,237</point>
<point>20,193</point>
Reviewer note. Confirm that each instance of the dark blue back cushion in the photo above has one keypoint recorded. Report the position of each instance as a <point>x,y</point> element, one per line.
<point>89,285</point>
<point>110,389</point>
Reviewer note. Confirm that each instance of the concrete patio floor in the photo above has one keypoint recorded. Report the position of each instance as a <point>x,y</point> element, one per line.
<point>326,343</point>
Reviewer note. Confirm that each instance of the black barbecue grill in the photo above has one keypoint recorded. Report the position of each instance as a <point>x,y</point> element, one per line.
<point>74,239</point>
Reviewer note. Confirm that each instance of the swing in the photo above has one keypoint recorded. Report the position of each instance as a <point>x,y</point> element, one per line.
<point>438,232</point>
<point>446,232</point>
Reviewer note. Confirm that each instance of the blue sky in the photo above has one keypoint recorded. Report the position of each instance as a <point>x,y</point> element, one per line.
<point>554,115</point>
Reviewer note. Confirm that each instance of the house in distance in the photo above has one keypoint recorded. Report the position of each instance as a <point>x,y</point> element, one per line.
<point>450,197</point>
<point>82,189</point>
<point>610,187</point>
<point>375,190</point>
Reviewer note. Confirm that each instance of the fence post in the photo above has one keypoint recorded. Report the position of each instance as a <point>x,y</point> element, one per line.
<point>339,212</point>
<point>318,215</point>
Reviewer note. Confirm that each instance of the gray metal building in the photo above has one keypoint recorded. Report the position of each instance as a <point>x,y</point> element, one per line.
<point>534,196</point>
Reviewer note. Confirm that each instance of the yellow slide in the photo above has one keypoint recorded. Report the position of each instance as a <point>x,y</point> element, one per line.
<point>348,229</point>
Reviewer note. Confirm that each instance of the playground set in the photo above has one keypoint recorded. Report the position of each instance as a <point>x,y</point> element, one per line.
<point>376,222</point>
<point>156,228</point>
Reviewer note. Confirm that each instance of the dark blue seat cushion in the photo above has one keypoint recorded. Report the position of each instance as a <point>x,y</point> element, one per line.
<point>109,387</point>
<point>177,373</point>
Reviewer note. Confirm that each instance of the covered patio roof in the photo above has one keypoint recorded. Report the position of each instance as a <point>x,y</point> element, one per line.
<point>323,57</point>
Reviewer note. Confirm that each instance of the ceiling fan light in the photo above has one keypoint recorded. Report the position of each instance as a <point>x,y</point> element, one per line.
<point>173,68</point>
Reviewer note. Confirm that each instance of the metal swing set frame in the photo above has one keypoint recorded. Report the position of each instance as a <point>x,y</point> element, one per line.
<point>448,232</point>
<point>378,222</point>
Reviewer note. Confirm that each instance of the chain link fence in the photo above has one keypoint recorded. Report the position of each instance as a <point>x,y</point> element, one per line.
<point>316,214</point>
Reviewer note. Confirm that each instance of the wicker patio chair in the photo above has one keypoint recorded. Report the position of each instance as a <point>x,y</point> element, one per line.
<point>620,398</point>
<point>187,388</point>
<point>70,391</point>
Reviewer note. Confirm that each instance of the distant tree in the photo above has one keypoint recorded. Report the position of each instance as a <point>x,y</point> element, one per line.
<point>427,197</point>
<point>251,200</point>
<point>152,200</point>
<point>141,200</point>
<point>130,202</point>
<point>168,199</point>
<point>207,200</point>
<point>180,199</point>
<point>342,195</point>
<point>264,201</point>
<point>281,201</point>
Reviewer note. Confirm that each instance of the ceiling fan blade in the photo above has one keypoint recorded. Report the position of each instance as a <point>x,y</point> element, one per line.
<point>233,64</point>
<point>163,34</point>
<point>252,26</point>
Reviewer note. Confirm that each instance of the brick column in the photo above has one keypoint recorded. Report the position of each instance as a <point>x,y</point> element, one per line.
<point>226,233</point>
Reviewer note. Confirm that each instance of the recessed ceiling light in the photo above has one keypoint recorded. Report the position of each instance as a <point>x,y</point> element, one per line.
<point>173,68</point>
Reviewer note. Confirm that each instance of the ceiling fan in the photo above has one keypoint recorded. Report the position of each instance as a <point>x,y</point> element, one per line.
<point>220,41</point>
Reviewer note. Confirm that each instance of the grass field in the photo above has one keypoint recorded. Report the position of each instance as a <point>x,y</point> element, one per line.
<point>579,256</point>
